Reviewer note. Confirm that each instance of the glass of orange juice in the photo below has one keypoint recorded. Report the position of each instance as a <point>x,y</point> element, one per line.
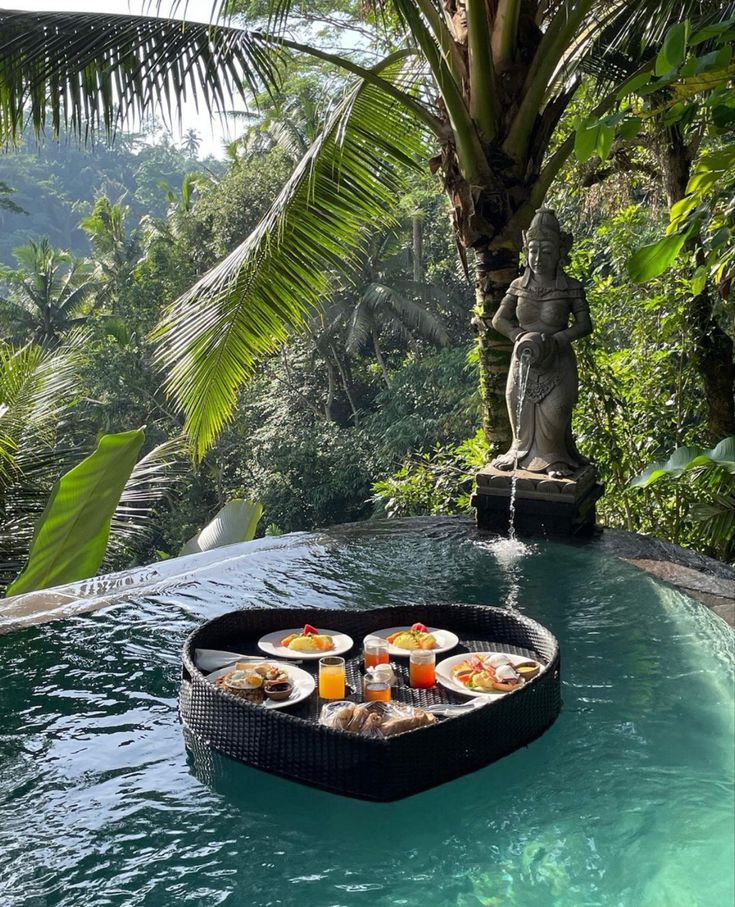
<point>375,651</point>
<point>332,677</point>
<point>422,669</point>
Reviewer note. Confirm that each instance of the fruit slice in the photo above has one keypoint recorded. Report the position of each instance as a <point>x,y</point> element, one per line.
<point>420,628</point>
<point>309,630</point>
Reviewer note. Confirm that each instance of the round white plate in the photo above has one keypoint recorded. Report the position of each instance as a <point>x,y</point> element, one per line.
<point>271,644</point>
<point>446,679</point>
<point>446,639</point>
<point>303,685</point>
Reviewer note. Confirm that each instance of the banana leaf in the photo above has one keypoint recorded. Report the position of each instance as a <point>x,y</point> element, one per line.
<point>236,522</point>
<point>684,459</point>
<point>71,536</point>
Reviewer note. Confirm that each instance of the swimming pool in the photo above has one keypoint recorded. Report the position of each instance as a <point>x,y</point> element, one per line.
<point>627,800</point>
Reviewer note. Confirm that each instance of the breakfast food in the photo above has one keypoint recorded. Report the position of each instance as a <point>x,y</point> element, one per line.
<point>399,724</point>
<point>493,673</point>
<point>308,640</point>
<point>414,637</point>
<point>255,681</point>
<point>375,719</point>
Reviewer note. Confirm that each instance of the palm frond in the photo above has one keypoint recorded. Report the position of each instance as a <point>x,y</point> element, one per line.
<point>91,71</point>
<point>408,318</point>
<point>361,326</point>
<point>632,33</point>
<point>211,338</point>
<point>149,485</point>
<point>36,388</point>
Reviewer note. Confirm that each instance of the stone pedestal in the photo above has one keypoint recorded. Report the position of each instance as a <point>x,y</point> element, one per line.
<point>544,506</point>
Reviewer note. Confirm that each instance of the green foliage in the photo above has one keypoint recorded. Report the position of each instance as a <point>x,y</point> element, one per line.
<point>55,184</point>
<point>71,536</point>
<point>47,295</point>
<point>693,84</point>
<point>38,390</point>
<point>712,473</point>
<point>236,522</point>
<point>652,260</point>
<point>684,459</point>
<point>212,338</point>
<point>432,401</point>
<point>438,482</point>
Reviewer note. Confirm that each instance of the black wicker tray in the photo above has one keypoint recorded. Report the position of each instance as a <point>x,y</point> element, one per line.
<point>290,742</point>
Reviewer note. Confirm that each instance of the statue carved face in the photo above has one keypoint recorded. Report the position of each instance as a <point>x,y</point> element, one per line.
<point>543,257</point>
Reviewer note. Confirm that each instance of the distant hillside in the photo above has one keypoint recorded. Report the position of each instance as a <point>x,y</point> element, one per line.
<point>56,185</point>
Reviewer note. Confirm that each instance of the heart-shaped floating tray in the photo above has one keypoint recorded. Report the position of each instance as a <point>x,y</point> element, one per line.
<point>291,743</point>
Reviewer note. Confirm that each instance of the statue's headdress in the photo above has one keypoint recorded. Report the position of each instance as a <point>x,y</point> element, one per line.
<point>546,226</point>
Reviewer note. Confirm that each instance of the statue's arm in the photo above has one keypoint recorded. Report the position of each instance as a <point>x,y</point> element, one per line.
<point>505,320</point>
<point>582,324</point>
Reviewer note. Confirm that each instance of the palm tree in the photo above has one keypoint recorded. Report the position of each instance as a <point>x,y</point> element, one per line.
<point>116,252</point>
<point>48,294</point>
<point>476,88</point>
<point>37,393</point>
<point>388,302</point>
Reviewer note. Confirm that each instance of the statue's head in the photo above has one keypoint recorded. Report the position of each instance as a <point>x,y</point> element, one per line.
<point>545,244</point>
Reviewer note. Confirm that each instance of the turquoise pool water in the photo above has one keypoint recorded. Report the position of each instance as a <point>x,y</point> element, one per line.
<point>626,802</point>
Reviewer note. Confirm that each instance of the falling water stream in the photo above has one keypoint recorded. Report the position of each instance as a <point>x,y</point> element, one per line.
<point>524,369</point>
<point>509,551</point>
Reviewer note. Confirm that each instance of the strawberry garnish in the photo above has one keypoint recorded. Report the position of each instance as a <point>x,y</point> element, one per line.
<point>420,628</point>
<point>309,630</point>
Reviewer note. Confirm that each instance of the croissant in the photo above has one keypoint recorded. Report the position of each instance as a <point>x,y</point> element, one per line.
<point>343,717</point>
<point>399,725</point>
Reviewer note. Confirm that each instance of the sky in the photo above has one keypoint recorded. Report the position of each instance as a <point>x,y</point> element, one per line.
<point>214,131</point>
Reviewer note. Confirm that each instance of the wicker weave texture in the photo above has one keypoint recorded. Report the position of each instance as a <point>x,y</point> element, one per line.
<point>291,743</point>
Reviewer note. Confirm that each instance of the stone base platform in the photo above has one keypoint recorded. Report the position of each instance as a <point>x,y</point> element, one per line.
<point>544,506</point>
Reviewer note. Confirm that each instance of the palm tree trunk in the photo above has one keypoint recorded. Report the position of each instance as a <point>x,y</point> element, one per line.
<point>418,248</point>
<point>495,271</point>
<point>713,348</point>
<point>346,386</point>
<point>330,390</point>
<point>379,357</point>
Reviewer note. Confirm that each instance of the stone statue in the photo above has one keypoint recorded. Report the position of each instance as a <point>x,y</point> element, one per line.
<point>534,314</point>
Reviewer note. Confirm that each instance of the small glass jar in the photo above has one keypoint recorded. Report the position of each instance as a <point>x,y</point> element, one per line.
<point>375,651</point>
<point>422,669</point>
<point>374,689</point>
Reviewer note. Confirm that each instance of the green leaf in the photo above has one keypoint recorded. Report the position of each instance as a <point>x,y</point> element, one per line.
<point>635,84</point>
<point>630,128</point>
<point>605,139</point>
<point>710,31</point>
<point>236,522</point>
<point>699,280</point>
<point>683,459</point>
<point>714,61</point>
<point>585,140</point>
<point>72,533</point>
<point>682,209</point>
<point>673,51</point>
<point>651,260</point>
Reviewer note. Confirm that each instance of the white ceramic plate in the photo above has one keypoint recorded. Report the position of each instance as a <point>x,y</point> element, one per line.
<point>271,644</point>
<point>446,639</point>
<point>303,685</point>
<point>446,679</point>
